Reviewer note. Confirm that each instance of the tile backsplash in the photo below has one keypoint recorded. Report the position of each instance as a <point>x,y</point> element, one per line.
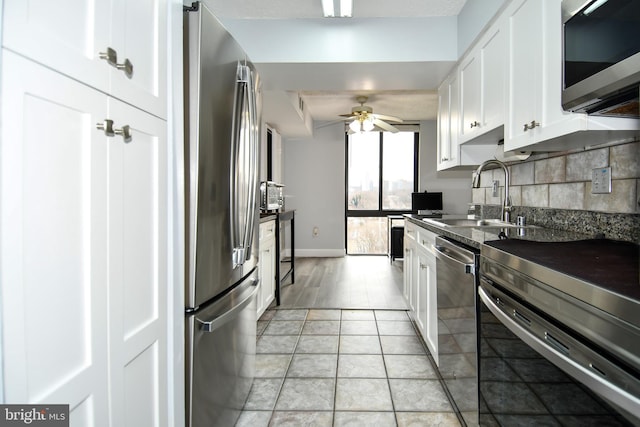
<point>563,180</point>
<point>556,187</point>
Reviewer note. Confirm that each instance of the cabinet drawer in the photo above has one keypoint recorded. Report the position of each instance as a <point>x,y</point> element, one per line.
<point>426,239</point>
<point>410,231</point>
<point>267,230</point>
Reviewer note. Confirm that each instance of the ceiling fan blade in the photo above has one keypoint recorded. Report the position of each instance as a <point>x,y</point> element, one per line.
<point>384,125</point>
<point>390,118</point>
<point>349,116</point>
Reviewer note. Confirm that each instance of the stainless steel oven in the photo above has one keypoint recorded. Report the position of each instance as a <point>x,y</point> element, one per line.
<point>555,348</point>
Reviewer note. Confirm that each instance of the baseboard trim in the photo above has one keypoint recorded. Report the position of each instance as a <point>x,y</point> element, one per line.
<point>319,253</point>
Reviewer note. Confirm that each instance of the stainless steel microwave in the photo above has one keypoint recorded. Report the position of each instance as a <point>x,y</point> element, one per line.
<point>601,50</point>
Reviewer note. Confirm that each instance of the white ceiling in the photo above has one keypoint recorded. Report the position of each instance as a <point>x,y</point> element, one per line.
<point>402,89</point>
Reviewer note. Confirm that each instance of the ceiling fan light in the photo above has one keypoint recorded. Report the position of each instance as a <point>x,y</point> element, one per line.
<point>355,126</point>
<point>367,125</point>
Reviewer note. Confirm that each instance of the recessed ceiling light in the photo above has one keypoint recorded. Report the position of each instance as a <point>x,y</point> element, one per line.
<point>344,7</point>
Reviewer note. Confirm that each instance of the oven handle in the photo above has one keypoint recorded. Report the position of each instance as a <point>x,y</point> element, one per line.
<point>622,398</point>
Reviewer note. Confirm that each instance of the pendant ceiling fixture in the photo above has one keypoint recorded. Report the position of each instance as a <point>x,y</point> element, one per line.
<point>337,8</point>
<point>364,119</point>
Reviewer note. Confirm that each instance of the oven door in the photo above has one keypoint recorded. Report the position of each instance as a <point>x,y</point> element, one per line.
<point>532,372</point>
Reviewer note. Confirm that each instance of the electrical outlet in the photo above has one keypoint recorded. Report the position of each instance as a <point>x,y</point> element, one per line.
<point>495,188</point>
<point>601,180</point>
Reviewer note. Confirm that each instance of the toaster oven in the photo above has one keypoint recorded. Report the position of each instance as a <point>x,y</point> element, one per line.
<point>271,196</point>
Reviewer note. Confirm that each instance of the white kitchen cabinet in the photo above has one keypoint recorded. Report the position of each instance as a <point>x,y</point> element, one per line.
<point>482,86</point>
<point>84,250</point>
<point>267,263</point>
<point>535,118</point>
<point>419,286</point>
<point>451,153</point>
<point>54,242</point>
<point>470,90</point>
<point>137,207</point>
<point>69,36</point>
<point>448,122</point>
<point>89,211</point>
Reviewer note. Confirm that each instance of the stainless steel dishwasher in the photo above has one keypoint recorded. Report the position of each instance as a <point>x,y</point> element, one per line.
<point>456,271</point>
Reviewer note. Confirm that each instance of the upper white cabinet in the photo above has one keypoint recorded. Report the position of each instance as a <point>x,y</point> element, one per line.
<point>448,122</point>
<point>509,86</point>
<point>535,116</point>
<point>470,90</point>
<point>73,37</point>
<point>482,85</point>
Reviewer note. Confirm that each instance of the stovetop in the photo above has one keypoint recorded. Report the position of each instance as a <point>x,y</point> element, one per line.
<point>610,264</point>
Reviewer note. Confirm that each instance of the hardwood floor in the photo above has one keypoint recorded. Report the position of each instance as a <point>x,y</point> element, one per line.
<point>350,282</point>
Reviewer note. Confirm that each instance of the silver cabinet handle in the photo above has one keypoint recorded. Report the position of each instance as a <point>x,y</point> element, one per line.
<point>531,126</point>
<point>109,130</point>
<point>111,56</point>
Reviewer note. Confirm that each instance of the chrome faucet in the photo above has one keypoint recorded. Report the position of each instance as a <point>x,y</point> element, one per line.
<point>506,203</point>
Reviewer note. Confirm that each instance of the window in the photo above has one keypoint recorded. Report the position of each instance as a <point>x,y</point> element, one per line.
<point>381,174</point>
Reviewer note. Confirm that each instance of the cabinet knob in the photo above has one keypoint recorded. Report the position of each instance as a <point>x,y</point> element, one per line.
<point>475,124</point>
<point>109,130</point>
<point>531,126</point>
<point>111,56</point>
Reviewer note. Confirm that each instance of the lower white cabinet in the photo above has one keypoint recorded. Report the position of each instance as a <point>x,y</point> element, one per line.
<point>267,263</point>
<point>419,286</point>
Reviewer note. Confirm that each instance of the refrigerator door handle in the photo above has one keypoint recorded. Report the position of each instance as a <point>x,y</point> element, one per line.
<point>254,154</point>
<point>211,325</point>
<point>240,189</point>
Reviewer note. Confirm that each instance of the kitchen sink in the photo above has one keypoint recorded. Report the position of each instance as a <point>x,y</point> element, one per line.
<point>465,222</point>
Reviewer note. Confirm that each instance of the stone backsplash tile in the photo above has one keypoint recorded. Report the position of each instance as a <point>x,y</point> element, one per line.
<point>535,195</point>
<point>625,160</point>
<point>567,196</point>
<point>623,197</point>
<point>580,165</point>
<point>522,173</point>
<point>550,170</point>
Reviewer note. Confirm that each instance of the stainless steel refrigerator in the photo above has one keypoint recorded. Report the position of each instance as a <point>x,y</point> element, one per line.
<point>222,128</point>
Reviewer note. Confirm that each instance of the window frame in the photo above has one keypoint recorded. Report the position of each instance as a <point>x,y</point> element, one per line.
<point>377,213</point>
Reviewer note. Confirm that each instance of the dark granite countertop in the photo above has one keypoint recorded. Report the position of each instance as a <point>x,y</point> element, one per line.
<point>476,236</point>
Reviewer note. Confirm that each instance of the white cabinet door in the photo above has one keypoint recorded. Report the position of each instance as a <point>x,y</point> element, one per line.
<point>448,122</point>
<point>139,34</point>
<point>525,79</point>
<point>493,64</point>
<point>427,310</point>
<point>53,245</point>
<point>138,188</point>
<point>470,103</point>
<point>267,266</point>
<point>65,35</point>
<point>69,36</point>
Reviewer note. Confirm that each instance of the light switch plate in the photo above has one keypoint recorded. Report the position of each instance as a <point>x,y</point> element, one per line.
<point>601,180</point>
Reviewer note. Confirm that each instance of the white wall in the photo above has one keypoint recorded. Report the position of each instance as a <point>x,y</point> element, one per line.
<point>313,170</point>
<point>455,185</point>
<point>472,19</point>
<point>314,180</point>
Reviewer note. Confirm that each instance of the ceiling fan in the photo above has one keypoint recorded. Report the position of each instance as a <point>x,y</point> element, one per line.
<point>365,120</point>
